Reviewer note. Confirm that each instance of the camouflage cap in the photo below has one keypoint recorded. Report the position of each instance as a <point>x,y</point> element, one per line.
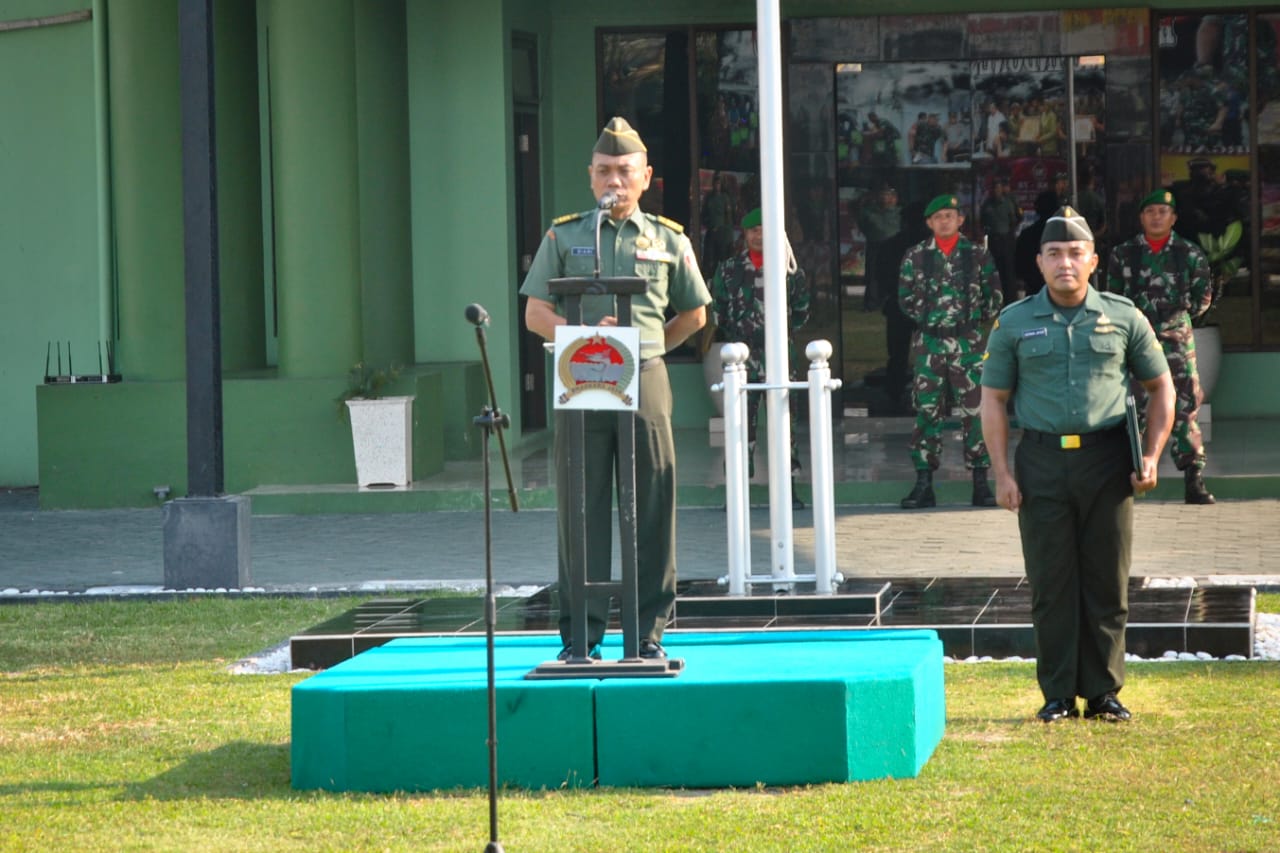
<point>617,138</point>
<point>1157,197</point>
<point>1065,226</point>
<point>753,219</point>
<point>942,202</point>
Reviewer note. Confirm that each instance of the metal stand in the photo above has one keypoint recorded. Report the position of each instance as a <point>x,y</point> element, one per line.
<point>580,665</point>
<point>825,576</point>
<point>491,420</point>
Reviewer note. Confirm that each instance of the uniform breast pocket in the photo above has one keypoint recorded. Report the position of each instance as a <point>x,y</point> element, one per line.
<point>580,264</point>
<point>655,272</point>
<point>1106,355</point>
<point>1035,347</point>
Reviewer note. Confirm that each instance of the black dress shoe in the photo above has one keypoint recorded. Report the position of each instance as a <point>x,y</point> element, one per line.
<point>1106,707</point>
<point>567,653</point>
<point>650,649</point>
<point>1058,709</point>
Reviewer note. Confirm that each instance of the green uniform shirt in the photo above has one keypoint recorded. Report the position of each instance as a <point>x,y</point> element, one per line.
<point>644,245</point>
<point>1071,377</point>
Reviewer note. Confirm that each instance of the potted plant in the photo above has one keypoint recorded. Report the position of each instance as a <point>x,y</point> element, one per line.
<point>381,427</point>
<point>1220,250</point>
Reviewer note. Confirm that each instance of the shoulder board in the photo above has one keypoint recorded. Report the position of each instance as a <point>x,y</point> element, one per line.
<point>1115,297</point>
<point>670,223</point>
<point>1015,304</point>
<point>568,217</point>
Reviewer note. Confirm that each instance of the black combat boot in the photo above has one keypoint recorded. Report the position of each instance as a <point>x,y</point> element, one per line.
<point>922,495</point>
<point>981,491</point>
<point>1196,492</point>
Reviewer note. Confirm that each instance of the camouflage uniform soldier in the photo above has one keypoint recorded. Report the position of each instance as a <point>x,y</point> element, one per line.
<point>1167,277</point>
<point>951,289</point>
<point>738,291</point>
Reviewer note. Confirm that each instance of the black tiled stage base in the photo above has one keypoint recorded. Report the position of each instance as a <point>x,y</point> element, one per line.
<point>973,617</point>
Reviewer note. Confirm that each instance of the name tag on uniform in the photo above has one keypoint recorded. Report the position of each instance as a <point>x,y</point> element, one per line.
<point>653,255</point>
<point>583,250</point>
<point>1041,332</point>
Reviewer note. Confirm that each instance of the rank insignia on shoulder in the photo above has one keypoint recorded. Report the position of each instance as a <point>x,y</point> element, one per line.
<point>568,217</point>
<point>996,324</point>
<point>672,224</point>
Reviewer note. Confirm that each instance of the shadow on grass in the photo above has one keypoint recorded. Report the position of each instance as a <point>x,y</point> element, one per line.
<point>237,770</point>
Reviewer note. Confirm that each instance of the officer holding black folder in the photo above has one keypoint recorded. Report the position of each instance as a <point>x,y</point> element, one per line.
<point>1064,356</point>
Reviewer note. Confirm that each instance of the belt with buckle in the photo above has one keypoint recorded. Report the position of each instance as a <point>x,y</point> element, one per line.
<point>1071,441</point>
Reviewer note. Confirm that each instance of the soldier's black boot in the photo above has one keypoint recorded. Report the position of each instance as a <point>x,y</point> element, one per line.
<point>982,495</point>
<point>922,495</point>
<point>1196,493</point>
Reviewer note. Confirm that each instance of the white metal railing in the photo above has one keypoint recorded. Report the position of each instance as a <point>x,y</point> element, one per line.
<point>825,576</point>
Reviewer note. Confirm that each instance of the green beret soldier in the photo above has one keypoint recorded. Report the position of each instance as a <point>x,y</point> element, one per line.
<point>737,289</point>
<point>1063,356</point>
<point>951,289</point>
<point>654,248</point>
<point>1167,277</point>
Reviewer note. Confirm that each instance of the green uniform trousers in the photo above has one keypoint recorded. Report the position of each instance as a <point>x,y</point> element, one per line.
<point>1076,523</point>
<point>655,507</point>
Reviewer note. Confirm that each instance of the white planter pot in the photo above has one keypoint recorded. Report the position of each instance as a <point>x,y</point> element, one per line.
<point>382,435</point>
<point>1208,357</point>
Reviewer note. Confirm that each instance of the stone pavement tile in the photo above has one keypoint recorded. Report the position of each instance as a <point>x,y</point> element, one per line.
<point>76,550</point>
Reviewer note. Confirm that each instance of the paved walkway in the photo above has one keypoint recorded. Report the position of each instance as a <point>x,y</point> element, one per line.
<point>90,550</point>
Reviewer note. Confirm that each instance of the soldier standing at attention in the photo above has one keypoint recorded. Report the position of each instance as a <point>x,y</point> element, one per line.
<point>656,249</point>
<point>951,289</point>
<point>1167,277</point>
<point>1000,217</point>
<point>1064,356</point>
<point>738,291</point>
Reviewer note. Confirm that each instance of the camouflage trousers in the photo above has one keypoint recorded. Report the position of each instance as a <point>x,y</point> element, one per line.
<point>1186,444</point>
<point>947,369</point>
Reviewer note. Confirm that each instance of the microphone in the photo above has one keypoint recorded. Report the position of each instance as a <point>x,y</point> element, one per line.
<point>607,201</point>
<point>476,315</point>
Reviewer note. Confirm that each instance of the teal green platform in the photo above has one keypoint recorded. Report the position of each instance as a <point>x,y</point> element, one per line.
<point>774,708</point>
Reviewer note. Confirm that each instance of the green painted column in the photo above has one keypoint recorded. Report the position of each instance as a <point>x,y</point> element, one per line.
<point>146,178</point>
<point>240,166</point>
<point>315,190</point>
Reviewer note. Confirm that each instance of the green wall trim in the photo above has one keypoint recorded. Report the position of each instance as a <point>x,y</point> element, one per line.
<point>277,431</point>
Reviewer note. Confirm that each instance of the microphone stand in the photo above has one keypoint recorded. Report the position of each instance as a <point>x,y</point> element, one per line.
<point>489,421</point>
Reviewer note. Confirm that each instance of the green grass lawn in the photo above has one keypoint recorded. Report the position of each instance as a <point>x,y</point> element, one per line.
<point>121,729</point>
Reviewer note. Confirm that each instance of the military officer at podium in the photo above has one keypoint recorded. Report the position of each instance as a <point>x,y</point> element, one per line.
<point>654,248</point>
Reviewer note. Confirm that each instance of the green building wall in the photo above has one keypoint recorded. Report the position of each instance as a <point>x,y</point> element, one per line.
<point>49,217</point>
<point>409,130</point>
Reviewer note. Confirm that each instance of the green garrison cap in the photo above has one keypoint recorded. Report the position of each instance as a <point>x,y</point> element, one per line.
<point>753,219</point>
<point>1157,197</point>
<point>1065,226</point>
<point>942,202</point>
<point>618,138</point>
